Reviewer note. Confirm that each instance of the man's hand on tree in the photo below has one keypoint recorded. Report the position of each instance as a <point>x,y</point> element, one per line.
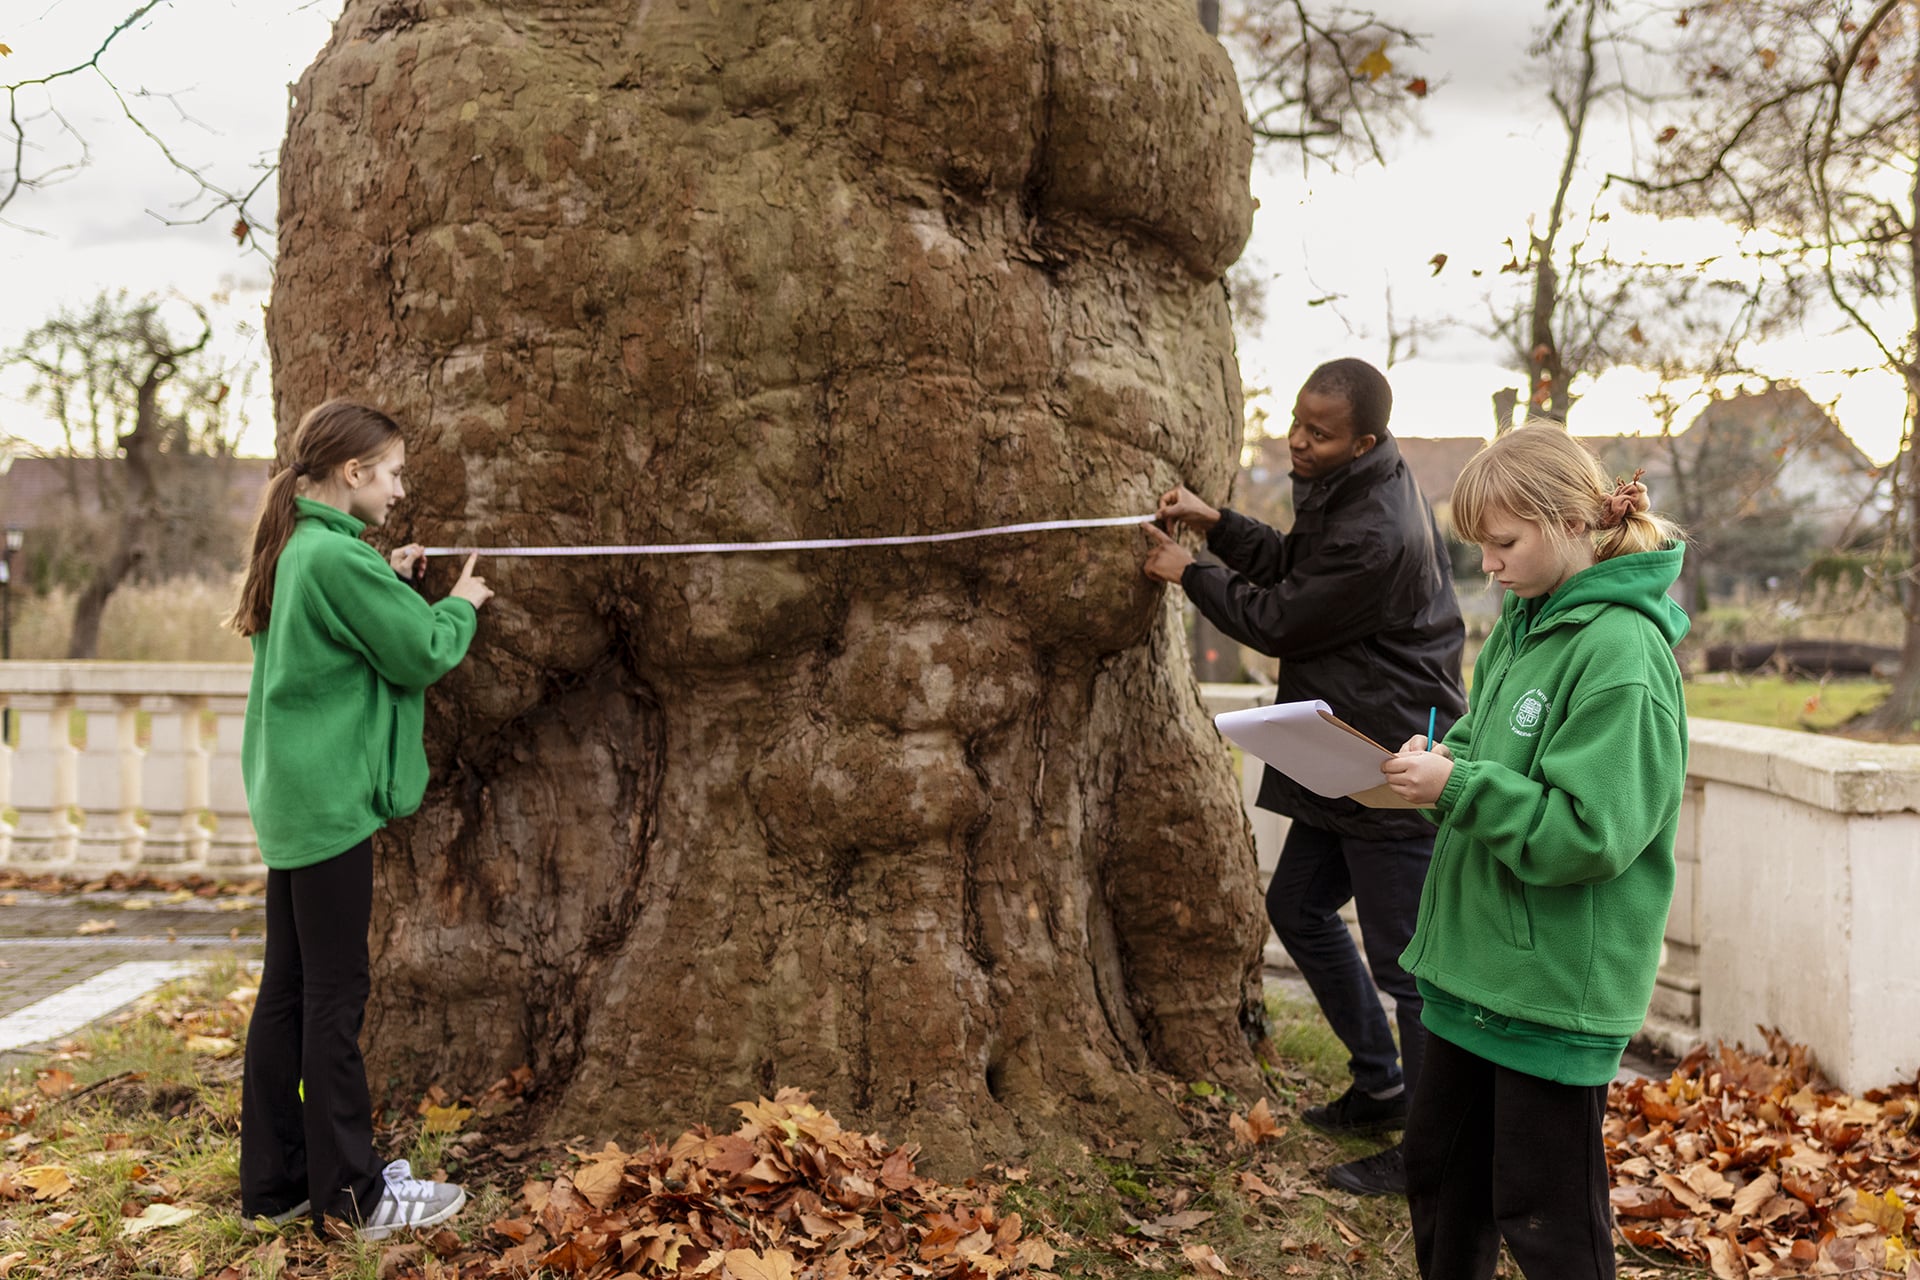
<point>1167,560</point>
<point>1178,506</point>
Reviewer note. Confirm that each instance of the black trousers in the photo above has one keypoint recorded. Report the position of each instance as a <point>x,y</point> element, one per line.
<point>306,1029</point>
<point>1495,1154</point>
<point>1318,872</point>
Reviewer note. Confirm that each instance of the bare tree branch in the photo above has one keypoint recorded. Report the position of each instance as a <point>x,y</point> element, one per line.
<point>247,228</point>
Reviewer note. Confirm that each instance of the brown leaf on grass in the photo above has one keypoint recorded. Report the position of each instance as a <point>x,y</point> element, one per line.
<point>53,1082</point>
<point>1257,1126</point>
<point>12,1260</point>
<point>1254,1185</point>
<point>49,1181</point>
<point>1205,1260</point>
<point>1172,1224</point>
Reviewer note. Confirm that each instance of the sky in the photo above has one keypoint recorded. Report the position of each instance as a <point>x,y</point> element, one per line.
<point>1462,182</point>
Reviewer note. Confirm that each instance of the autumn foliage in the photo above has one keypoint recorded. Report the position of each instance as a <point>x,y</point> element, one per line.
<point>1748,1163</point>
<point>787,1192</point>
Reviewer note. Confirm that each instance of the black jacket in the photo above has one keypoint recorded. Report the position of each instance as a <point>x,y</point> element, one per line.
<point>1357,603</point>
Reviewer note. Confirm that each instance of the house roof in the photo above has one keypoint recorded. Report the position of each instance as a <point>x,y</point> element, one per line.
<point>38,492</point>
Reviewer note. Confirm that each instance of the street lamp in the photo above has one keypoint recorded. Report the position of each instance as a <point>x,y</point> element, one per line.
<point>15,536</point>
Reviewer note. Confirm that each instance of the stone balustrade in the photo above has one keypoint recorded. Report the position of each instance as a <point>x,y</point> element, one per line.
<point>1798,855</point>
<point>125,766</point>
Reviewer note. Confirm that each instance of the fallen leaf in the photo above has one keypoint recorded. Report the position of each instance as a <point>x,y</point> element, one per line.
<point>1205,1259</point>
<point>49,1181</point>
<point>1257,1126</point>
<point>1253,1184</point>
<point>212,1046</point>
<point>445,1119</point>
<point>745,1264</point>
<point>91,927</point>
<point>1887,1213</point>
<point>155,1216</point>
<point>600,1181</point>
<point>1171,1224</point>
<point>1755,1194</point>
<point>53,1082</point>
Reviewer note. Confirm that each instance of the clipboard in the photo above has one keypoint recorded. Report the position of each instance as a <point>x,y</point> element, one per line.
<point>1317,749</point>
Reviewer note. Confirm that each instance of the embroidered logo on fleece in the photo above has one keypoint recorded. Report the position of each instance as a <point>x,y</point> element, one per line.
<point>1528,712</point>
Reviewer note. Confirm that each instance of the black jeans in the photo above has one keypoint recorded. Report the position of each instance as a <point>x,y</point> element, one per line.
<point>306,1028</point>
<point>1318,872</point>
<point>1495,1154</point>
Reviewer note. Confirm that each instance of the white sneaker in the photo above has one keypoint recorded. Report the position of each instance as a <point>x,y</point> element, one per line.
<point>410,1204</point>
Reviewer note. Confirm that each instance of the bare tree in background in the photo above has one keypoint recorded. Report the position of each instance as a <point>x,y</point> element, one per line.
<point>123,385</point>
<point>1322,79</point>
<point>41,146</point>
<point>1803,133</point>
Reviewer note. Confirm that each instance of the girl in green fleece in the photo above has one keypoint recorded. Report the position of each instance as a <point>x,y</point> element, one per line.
<point>1558,796</point>
<point>343,650</point>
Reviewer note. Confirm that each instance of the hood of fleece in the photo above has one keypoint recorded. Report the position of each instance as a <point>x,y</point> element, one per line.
<point>1639,581</point>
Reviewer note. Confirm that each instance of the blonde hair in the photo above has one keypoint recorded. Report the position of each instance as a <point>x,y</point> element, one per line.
<point>1543,476</point>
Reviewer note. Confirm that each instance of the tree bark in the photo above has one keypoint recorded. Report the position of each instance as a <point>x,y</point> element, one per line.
<point>940,833</point>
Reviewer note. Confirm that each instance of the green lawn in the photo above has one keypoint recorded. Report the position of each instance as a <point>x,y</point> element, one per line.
<point>1785,704</point>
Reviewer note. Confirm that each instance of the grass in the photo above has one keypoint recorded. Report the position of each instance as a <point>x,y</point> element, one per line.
<point>178,621</point>
<point>149,1116</point>
<point>1815,705</point>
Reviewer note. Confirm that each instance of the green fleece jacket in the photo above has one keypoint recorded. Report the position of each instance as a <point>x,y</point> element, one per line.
<point>1546,901</point>
<point>332,746</point>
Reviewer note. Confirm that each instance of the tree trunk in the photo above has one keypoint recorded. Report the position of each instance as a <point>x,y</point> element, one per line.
<point>940,833</point>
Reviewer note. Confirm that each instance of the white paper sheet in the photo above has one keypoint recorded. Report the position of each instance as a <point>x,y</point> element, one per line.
<point>1303,741</point>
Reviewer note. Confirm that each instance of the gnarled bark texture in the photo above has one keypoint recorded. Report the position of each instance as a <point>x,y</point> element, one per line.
<point>939,833</point>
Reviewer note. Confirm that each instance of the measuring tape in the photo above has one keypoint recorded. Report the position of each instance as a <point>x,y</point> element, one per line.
<point>796,544</point>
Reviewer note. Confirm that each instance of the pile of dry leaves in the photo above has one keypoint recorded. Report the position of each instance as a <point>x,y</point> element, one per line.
<point>1751,1165</point>
<point>789,1189</point>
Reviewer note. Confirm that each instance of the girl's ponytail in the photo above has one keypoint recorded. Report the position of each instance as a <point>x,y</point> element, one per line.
<point>271,529</point>
<point>328,437</point>
<point>1625,526</point>
<point>1544,476</point>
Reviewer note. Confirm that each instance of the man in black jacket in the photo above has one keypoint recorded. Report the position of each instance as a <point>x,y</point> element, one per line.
<point>1357,603</point>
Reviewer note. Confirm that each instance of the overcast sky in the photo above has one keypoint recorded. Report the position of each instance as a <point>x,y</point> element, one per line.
<point>1481,161</point>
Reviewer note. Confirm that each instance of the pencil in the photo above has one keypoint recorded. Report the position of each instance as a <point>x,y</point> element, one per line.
<point>1432,712</point>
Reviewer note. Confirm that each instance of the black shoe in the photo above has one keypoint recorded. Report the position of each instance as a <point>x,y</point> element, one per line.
<point>1384,1173</point>
<point>1353,1112</point>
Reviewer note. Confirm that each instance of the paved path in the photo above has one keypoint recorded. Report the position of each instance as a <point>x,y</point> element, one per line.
<point>55,979</point>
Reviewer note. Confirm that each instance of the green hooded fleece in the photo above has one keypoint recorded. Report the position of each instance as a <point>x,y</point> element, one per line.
<point>1545,905</point>
<point>333,745</point>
